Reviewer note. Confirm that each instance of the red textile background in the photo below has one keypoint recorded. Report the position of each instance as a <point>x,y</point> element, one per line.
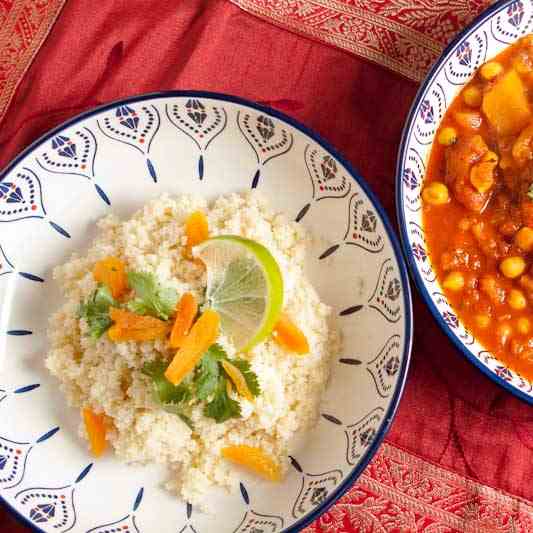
<point>450,414</point>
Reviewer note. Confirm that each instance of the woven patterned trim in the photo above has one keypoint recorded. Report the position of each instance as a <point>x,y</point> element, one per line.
<point>24,25</point>
<point>405,36</point>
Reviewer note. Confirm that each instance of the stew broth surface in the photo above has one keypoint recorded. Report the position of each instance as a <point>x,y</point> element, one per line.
<point>478,206</point>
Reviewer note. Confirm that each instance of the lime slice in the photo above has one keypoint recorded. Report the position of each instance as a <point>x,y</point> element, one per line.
<point>244,285</point>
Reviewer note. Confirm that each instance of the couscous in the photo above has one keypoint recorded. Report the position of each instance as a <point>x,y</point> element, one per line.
<point>169,363</point>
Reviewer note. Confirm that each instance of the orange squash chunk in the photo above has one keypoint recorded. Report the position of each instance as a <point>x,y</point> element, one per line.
<point>238,380</point>
<point>132,327</point>
<point>196,230</point>
<point>186,311</point>
<point>202,335</point>
<point>506,105</point>
<point>287,334</point>
<point>111,272</point>
<point>254,459</point>
<point>96,430</point>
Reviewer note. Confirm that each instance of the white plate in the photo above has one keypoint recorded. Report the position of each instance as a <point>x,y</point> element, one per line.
<point>495,29</point>
<point>117,157</point>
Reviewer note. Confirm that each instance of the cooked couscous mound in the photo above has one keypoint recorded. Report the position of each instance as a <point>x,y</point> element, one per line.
<point>106,377</point>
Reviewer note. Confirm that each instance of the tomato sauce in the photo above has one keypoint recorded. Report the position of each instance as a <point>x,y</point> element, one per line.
<point>478,206</point>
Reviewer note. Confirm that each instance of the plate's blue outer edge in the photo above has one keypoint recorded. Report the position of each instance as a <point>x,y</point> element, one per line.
<point>498,6</point>
<point>406,291</point>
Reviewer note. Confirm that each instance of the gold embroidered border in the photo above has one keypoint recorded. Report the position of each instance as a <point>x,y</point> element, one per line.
<point>20,40</point>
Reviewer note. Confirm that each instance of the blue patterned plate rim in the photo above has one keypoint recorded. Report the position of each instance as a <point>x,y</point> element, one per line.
<point>408,342</point>
<point>435,69</point>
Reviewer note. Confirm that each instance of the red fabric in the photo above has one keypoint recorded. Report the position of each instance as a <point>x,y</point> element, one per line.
<point>450,413</point>
<point>24,25</point>
<point>406,36</point>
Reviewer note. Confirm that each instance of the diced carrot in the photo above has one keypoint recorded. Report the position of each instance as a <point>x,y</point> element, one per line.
<point>202,335</point>
<point>186,311</point>
<point>132,327</point>
<point>111,271</point>
<point>287,334</point>
<point>96,430</point>
<point>254,459</point>
<point>196,230</point>
<point>238,380</point>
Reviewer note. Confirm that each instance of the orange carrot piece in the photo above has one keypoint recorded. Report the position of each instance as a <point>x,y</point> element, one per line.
<point>202,335</point>
<point>287,334</point>
<point>238,380</point>
<point>132,327</point>
<point>196,230</point>
<point>254,459</point>
<point>111,271</point>
<point>96,430</point>
<point>186,311</point>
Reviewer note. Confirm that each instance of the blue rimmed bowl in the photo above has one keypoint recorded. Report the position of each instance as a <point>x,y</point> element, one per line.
<point>116,158</point>
<point>496,28</point>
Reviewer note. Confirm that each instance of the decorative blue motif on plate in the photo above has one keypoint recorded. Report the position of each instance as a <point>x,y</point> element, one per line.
<point>201,122</point>
<point>54,507</point>
<point>135,126</point>
<point>21,198</point>
<point>314,489</point>
<point>327,178</point>
<point>266,136</point>
<point>126,524</point>
<point>14,456</point>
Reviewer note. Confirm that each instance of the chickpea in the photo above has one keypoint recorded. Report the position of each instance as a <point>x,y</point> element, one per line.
<point>516,300</point>
<point>524,239</point>
<point>512,267</point>
<point>454,281</point>
<point>472,96</point>
<point>523,325</point>
<point>504,332</point>
<point>482,321</point>
<point>436,193</point>
<point>447,136</point>
<point>490,157</point>
<point>490,70</point>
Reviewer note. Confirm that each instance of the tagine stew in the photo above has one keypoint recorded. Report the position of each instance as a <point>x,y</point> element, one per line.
<point>478,206</point>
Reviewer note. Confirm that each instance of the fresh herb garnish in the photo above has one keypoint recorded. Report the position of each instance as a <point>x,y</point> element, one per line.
<point>249,375</point>
<point>169,396</point>
<point>150,297</point>
<point>209,372</point>
<point>530,192</point>
<point>166,393</point>
<point>212,384</point>
<point>222,407</point>
<point>96,311</point>
<point>209,384</point>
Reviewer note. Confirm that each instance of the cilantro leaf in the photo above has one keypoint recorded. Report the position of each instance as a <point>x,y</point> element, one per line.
<point>151,298</point>
<point>249,375</point>
<point>187,421</point>
<point>212,386</point>
<point>165,392</point>
<point>209,372</point>
<point>222,407</point>
<point>96,311</point>
<point>530,192</point>
<point>175,410</point>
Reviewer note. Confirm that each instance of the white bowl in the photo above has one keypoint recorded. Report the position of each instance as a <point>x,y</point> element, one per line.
<point>496,28</point>
<point>209,144</point>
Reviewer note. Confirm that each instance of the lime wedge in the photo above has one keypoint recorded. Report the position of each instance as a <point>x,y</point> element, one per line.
<point>244,285</point>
